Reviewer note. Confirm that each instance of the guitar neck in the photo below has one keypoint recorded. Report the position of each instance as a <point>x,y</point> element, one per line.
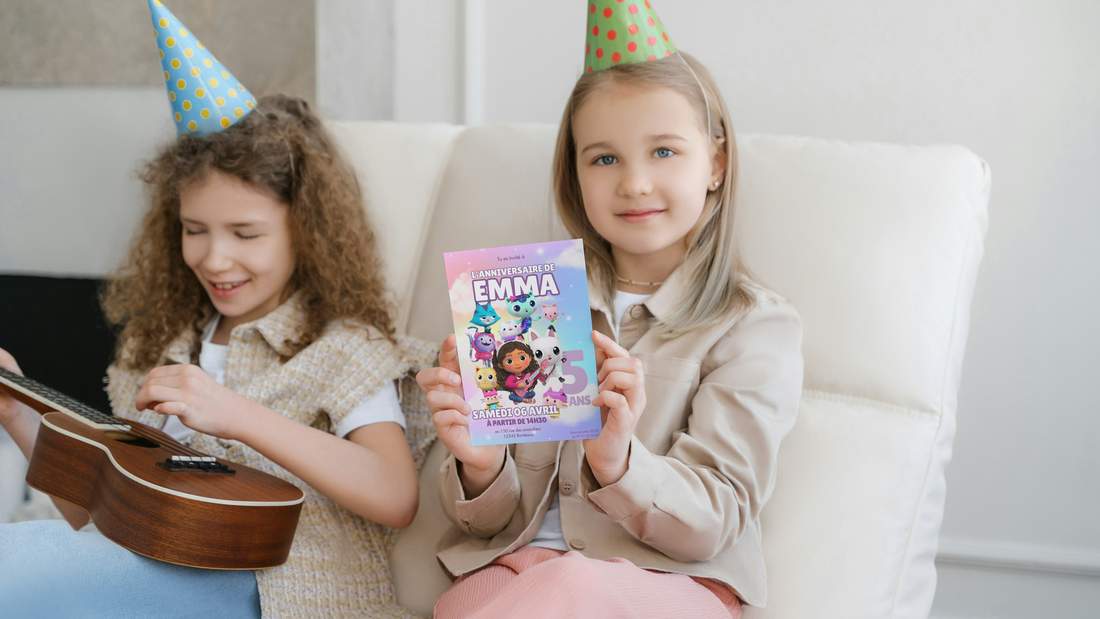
<point>45,399</point>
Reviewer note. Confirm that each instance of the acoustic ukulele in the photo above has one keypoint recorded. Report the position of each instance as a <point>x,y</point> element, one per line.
<point>152,495</point>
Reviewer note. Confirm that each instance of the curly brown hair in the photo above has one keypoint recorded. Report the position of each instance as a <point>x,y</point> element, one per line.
<point>155,296</point>
<point>498,361</point>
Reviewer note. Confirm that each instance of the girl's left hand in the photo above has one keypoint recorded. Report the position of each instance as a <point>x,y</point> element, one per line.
<point>197,399</point>
<point>621,401</point>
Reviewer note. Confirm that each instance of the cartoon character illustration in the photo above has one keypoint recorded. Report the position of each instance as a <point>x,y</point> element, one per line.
<point>523,306</point>
<point>510,330</point>
<point>550,357</point>
<point>484,316</point>
<point>486,379</point>
<point>550,311</point>
<point>482,345</point>
<point>516,369</point>
<point>555,398</point>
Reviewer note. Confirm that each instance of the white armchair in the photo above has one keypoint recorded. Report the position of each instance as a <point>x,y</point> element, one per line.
<point>878,247</point>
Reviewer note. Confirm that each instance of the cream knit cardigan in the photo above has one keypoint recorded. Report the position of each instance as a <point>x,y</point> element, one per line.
<point>338,565</point>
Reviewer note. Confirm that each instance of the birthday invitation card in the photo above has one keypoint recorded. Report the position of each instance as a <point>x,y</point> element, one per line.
<point>521,315</point>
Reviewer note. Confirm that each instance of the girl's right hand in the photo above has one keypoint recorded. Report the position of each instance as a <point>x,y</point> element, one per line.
<point>442,387</point>
<point>9,406</point>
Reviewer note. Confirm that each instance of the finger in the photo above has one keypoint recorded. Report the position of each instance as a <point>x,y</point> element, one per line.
<point>620,420</point>
<point>8,362</point>
<point>609,346</point>
<point>614,401</point>
<point>435,379</point>
<point>183,381</point>
<point>441,400</point>
<point>171,408</point>
<point>173,382</point>
<point>620,364</point>
<point>620,381</point>
<point>448,353</point>
<point>156,394</point>
<point>598,401</point>
<point>172,369</point>
<point>187,375</point>
<point>449,417</point>
<point>163,371</point>
<point>601,356</point>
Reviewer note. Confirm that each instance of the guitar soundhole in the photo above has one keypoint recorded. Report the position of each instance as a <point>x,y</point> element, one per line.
<point>131,439</point>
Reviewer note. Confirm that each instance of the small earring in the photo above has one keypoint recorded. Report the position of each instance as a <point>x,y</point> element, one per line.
<point>716,183</point>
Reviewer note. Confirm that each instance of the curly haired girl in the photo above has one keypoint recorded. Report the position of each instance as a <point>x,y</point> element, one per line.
<point>256,327</point>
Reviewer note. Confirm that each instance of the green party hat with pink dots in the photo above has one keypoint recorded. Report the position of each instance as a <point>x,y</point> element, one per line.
<point>624,32</point>
<point>205,96</point>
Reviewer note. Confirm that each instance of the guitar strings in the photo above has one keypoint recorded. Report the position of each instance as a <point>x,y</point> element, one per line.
<point>83,410</point>
<point>178,449</point>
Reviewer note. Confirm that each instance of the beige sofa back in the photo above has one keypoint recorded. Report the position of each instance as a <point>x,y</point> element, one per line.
<point>878,247</point>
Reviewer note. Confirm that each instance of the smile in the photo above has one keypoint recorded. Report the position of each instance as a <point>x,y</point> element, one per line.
<point>225,289</point>
<point>639,215</point>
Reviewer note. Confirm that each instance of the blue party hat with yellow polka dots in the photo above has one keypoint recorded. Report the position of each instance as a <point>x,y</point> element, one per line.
<point>205,96</point>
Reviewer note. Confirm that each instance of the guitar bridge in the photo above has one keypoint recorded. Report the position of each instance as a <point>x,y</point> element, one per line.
<point>195,464</point>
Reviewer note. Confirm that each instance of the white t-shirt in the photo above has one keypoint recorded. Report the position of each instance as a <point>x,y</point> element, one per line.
<point>383,406</point>
<point>549,534</point>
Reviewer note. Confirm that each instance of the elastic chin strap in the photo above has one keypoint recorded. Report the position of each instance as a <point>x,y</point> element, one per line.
<point>290,154</point>
<point>706,101</point>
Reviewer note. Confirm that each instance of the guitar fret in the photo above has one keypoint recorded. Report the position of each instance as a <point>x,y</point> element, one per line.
<point>54,397</point>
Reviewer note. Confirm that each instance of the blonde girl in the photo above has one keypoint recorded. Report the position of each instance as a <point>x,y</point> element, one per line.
<point>256,328</point>
<point>699,371</point>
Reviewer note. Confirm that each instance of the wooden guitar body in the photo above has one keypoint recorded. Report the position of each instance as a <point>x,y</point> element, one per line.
<point>244,520</point>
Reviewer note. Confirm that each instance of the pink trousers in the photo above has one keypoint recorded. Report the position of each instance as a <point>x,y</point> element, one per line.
<point>542,582</point>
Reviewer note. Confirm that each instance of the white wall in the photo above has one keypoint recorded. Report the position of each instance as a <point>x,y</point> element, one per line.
<point>355,61</point>
<point>69,197</point>
<point>428,61</point>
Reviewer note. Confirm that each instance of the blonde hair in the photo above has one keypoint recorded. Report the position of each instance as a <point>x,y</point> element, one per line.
<point>285,152</point>
<point>712,264</point>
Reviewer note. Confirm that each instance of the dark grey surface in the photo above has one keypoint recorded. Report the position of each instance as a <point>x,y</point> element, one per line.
<point>56,331</point>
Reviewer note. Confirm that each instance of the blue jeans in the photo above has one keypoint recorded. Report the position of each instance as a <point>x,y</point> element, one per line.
<point>49,570</point>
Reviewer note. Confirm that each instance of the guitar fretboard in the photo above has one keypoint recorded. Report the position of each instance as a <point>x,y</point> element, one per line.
<point>61,402</point>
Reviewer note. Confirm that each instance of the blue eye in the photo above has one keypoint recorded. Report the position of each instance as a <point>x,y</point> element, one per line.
<point>663,153</point>
<point>606,160</point>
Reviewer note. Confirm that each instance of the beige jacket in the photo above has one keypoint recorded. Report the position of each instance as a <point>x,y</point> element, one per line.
<point>338,565</point>
<point>702,461</point>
